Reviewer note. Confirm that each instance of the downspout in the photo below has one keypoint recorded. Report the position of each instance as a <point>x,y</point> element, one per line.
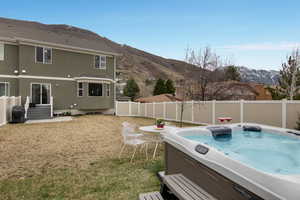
<point>115,94</point>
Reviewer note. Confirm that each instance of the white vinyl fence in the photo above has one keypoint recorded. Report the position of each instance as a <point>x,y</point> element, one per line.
<point>6,105</point>
<point>275,113</point>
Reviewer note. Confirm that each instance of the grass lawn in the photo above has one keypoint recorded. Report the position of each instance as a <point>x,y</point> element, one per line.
<point>73,160</point>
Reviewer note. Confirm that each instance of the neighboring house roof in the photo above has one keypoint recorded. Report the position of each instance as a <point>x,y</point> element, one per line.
<point>231,90</point>
<point>158,98</point>
<point>228,90</point>
<point>263,93</point>
<point>68,36</point>
<point>123,98</point>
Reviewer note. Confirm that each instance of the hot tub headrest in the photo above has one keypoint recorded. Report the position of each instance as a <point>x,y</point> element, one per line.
<point>252,128</point>
<point>220,131</point>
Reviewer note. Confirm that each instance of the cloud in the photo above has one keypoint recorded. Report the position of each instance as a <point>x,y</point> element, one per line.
<point>264,46</point>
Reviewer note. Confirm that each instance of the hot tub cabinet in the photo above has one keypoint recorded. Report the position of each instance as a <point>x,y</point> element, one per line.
<point>209,180</point>
<point>218,174</point>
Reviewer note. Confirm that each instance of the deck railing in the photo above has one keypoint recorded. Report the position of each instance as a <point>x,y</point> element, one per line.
<point>51,105</point>
<point>26,105</point>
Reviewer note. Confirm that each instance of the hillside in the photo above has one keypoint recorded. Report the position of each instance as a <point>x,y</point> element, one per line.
<point>144,67</point>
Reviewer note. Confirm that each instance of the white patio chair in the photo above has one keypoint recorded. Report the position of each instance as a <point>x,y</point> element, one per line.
<point>131,138</point>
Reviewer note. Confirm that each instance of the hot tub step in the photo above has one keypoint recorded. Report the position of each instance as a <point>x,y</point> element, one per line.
<point>185,189</point>
<point>151,196</point>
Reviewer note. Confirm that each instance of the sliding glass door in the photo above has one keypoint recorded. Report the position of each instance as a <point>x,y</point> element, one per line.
<point>40,93</point>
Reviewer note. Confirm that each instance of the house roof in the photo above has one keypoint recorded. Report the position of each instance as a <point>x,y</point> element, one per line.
<point>64,35</point>
<point>158,98</point>
<point>263,93</point>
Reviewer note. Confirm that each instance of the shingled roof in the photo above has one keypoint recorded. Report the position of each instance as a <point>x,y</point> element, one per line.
<point>158,98</point>
<point>52,33</point>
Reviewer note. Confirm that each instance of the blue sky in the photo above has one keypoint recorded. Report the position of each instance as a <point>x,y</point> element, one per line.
<point>257,34</point>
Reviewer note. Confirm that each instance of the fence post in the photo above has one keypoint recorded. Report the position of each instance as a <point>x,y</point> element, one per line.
<point>213,111</point>
<point>146,104</point>
<point>176,110</point>
<point>19,100</point>
<point>116,108</point>
<point>283,113</point>
<point>139,109</point>
<point>4,109</point>
<point>192,111</point>
<point>165,114</point>
<point>11,105</point>
<point>129,108</point>
<point>153,109</point>
<point>242,110</point>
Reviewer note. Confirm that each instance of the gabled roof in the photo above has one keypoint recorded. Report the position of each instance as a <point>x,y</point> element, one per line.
<point>158,98</point>
<point>65,35</point>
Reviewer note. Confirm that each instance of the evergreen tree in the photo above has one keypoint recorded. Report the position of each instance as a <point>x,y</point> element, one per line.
<point>289,81</point>
<point>131,89</point>
<point>232,73</point>
<point>170,89</point>
<point>160,87</point>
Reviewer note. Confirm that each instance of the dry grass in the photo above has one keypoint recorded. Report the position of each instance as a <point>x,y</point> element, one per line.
<point>72,160</point>
<point>29,149</point>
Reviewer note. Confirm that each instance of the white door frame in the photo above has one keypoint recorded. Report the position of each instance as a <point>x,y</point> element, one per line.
<point>50,88</point>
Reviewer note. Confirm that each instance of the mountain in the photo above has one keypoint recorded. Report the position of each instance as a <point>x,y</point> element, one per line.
<point>267,77</point>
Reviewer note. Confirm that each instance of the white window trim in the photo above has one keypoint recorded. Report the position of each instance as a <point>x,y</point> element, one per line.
<point>78,89</point>
<point>40,84</point>
<point>44,55</point>
<point>100,67</point>
<point>8,87</point>
<point>88,90</point>
<point>2,44</point>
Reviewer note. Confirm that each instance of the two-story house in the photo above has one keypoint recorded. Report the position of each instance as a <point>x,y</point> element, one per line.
<point>56,68</point>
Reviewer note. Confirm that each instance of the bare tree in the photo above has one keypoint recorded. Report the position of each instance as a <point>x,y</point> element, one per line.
<point>289,82</point>
<point>186,94</point>
<point>207,62</point>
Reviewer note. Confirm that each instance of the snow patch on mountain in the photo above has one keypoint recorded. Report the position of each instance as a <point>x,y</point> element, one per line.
<point>267,77</point>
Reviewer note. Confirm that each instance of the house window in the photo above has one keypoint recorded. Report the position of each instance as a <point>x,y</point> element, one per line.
<point>43,55</point>
<point>95,89</point>
<point>1,52</point>
<point>80,89</point>
<point>100,62</point>
<point>107,90</point>
<point>4,89</point>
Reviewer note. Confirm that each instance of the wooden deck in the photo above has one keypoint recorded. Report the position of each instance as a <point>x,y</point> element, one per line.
<point>151,196</point>
<point>184,189</point>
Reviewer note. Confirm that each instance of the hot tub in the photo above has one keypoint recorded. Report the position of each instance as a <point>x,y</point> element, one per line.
<point>258,163</point>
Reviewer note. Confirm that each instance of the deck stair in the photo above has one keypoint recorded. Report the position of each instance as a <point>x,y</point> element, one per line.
<point>39,112</point>
<point>151,196</point>
<point>183,188</point>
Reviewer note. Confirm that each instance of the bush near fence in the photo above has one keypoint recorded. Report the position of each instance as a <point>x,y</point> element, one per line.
<point>281,113</point>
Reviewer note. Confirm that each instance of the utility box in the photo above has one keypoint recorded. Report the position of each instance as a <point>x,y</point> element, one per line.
<point>18,114</point>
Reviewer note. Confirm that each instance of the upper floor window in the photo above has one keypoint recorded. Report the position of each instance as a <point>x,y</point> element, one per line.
<point>4,89</point>
<point>1,51</point>
<point>100,62</point>
<point>43,55</point>
<point>95,89</point>
<point>80,89</point>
